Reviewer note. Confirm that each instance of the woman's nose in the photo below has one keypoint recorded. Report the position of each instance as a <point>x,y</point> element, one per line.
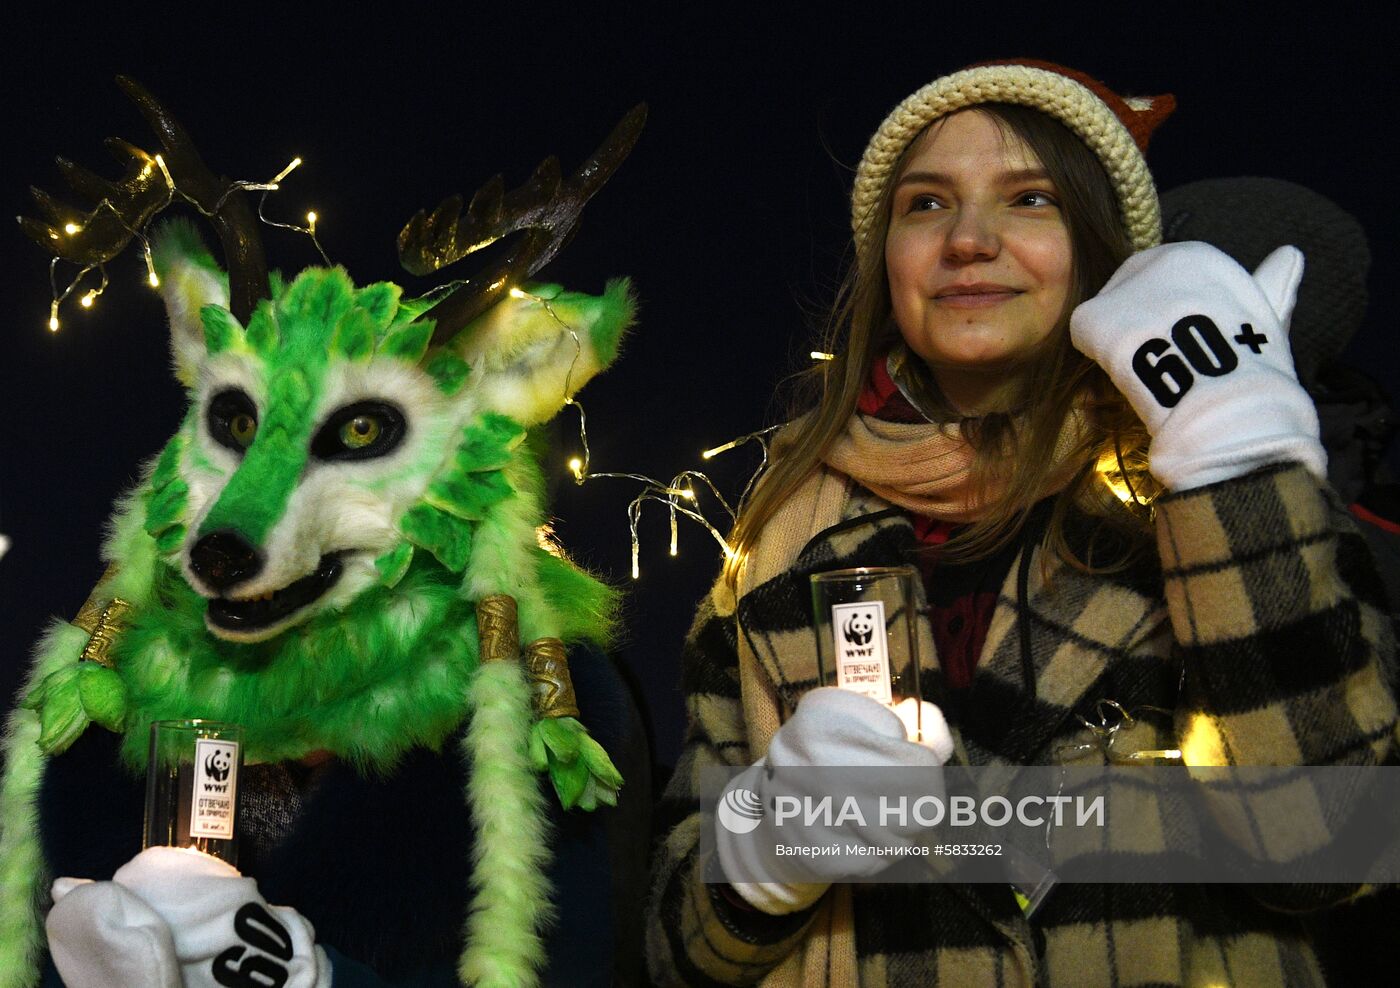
<point>972,237</point>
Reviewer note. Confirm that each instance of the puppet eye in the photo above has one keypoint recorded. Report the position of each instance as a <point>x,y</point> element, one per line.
<point>232,420</point>
<point>360,431</point>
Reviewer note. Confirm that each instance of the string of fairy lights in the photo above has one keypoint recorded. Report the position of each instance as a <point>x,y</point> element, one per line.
<point>172,191</point>
<point>677,495</point>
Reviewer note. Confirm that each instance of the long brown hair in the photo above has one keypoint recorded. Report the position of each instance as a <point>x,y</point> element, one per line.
<point>1017,452</point>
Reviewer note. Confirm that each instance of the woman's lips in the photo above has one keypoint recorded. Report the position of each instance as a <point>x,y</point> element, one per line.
<point>975,298</point>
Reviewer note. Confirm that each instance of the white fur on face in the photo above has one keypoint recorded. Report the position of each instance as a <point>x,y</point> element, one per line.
<point>350,507</point>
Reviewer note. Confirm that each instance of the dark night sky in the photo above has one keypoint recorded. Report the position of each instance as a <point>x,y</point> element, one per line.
<point>730,215</point>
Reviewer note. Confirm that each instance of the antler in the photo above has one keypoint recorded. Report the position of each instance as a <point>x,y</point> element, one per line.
<point>545,209</point>
<point>151,182</point>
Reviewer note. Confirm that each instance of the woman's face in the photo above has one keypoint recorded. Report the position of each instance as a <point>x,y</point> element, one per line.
<point>978,257</point>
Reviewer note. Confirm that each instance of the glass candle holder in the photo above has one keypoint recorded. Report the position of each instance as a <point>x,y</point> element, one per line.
<point>866,639</point>
<point>192,786</point>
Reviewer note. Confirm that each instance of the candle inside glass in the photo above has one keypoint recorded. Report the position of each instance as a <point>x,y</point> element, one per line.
<point>866,640</point>
<point>192,787</point>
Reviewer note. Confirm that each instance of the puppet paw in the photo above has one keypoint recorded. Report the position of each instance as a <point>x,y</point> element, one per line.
<point>73,697</point>
<point>580,769</point>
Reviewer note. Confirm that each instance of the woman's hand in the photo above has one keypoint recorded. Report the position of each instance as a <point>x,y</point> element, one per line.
<point>172,917</point>
<point>1199,346</point>
<point>831,729</point>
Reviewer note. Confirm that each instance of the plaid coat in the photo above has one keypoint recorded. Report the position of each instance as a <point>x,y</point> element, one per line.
<point>1259,622</point>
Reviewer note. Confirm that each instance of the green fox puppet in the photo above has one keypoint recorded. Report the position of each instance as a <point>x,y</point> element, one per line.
<point>355,475</point>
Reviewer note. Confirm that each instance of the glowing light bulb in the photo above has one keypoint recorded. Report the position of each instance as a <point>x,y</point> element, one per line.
<point>71,228</point>
<point>153,279</point>
<point>576,468</point>
<point>53,316</point>
<point>292,166</point>
<point>517,293</point>
<point>86,300</point>
<point>311,221</point>
<point>818,355</point>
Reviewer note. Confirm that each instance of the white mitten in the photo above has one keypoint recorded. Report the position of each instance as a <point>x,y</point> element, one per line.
<point>101,934</point>
<point>1199,346</point>
<point>831,728</point>
<point>222,930</point>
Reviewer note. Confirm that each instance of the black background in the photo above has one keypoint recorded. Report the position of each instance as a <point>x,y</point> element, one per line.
<point>730,215</point>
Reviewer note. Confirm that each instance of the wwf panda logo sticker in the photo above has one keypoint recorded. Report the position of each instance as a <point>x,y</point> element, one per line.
<point>861,648</point>
<point>215,788</point>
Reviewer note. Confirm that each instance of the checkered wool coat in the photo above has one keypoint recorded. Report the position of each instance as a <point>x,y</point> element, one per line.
<point>1259,622</point>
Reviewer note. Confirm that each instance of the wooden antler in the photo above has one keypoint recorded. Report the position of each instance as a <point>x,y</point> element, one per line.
<point>124,207</point>
<point>545,209</point>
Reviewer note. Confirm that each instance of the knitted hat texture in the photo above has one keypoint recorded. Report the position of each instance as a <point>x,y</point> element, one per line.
<point>1115,128</point>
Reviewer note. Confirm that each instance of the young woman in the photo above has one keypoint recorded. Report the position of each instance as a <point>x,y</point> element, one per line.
<point>1099,458</point>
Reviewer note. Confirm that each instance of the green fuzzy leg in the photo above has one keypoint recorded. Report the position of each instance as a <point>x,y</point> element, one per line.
<point>23,877</point>
<point>511,904</point>
<point>582,773</point>
<point>72,697</point>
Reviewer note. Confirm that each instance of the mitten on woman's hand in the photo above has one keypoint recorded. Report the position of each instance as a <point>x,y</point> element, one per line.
<point>182,908</point>
<point>1199,346</point>
<point>831,728</point>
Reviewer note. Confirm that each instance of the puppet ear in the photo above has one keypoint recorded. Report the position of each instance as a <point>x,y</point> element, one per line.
<point>190,280</point>
<point>535,347</point>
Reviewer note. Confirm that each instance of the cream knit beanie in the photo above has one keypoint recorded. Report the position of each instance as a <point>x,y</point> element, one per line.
<point>1115,128</point>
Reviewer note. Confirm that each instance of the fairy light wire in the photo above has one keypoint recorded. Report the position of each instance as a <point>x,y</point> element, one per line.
<point>172,191</point>
<point>678,495</point>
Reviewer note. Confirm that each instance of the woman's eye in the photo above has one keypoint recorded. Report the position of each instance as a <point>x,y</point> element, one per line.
<point>924,203</point>
<point>359,431</point>
<point>232,420</point>
<point>1036,199</point>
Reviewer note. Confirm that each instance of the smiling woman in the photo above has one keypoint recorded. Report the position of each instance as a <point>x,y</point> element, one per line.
<point>1010,336</point>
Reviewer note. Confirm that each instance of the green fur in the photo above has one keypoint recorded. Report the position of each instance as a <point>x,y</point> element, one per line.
<point>381,301</point>
<point>366,685</point>
<point>262,334</point>
<point>449,371</point>
<point>392,669</point>
<point>468,496</point>
<point>394,564</point>
<point>488,443</point>
<point>71,698</point>
<point>511,904</point>
<point>354,335</point>
<point>408,342</point>
<point>581,771</point>
<point>178,243</point>
<point>221,330</point>
<point>447,538</point>
<point>171,540</point>
<point>608,316</point>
